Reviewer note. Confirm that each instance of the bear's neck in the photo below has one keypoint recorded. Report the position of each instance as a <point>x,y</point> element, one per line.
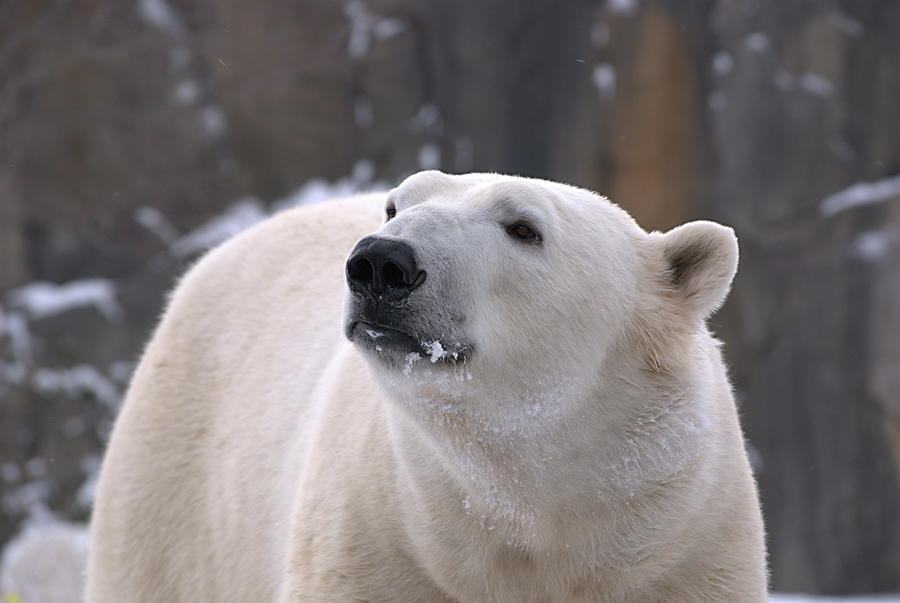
<point>531,466</point>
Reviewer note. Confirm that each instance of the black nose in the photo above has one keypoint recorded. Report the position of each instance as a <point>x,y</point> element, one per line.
<point>381,266</point>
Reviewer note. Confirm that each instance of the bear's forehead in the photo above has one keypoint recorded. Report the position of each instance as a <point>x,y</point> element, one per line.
<point>491,191</point>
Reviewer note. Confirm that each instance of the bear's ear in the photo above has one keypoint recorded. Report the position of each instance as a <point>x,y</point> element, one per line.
<point>700,261</point>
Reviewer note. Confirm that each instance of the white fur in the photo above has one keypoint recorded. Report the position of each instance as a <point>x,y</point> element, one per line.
<point>587,450</point>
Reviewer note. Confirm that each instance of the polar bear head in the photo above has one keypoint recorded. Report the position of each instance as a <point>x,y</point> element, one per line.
<point>525,286</point>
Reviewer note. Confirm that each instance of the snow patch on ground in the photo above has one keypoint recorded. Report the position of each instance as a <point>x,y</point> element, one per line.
<point>722,63</point>
<point>626,8</point>
<point>816,84</point>
<point>14,328</point>
<point>365,25</point>
<point>604,77</point>
<point>385,29</point>
<point>360,20</point>
<point>90,465</point>
<point>159,14</point>
<point>249,211</point>
<point>314,191</point>
<point>319,190</point>
<point>859,194</point>
<point>213,119</point>
<point>42,299</point>
<point>75,381</point>
<point>243,214</point>
<point>153,220</point>
<point>45,563</point>
<point>873,245</point>
<point>757,42</point>
<point>187,92</point>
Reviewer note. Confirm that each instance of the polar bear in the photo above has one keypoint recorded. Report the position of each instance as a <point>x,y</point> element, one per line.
<point>474,388</point>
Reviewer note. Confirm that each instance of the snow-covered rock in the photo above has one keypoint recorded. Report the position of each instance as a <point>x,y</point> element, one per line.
<point>45,563</point>
<point>861,193</point>
<point>42,299</point>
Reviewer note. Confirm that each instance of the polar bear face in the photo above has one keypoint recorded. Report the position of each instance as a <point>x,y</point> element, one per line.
<point>524,284</point>
<point>491,271</point>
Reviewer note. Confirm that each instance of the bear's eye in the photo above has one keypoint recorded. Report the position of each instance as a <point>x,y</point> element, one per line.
<point>390,212</point>
<point>523,232</point>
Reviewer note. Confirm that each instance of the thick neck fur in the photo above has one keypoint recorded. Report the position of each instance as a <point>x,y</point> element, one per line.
<point>530,462</point>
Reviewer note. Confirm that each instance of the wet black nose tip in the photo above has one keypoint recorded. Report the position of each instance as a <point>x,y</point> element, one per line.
<point>381,266</point>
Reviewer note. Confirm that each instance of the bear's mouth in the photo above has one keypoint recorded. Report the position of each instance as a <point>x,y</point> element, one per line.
<point>397,347</point>
<point>380,338</point>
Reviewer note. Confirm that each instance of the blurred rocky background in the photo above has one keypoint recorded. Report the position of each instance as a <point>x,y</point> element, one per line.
<point>136,133</point>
